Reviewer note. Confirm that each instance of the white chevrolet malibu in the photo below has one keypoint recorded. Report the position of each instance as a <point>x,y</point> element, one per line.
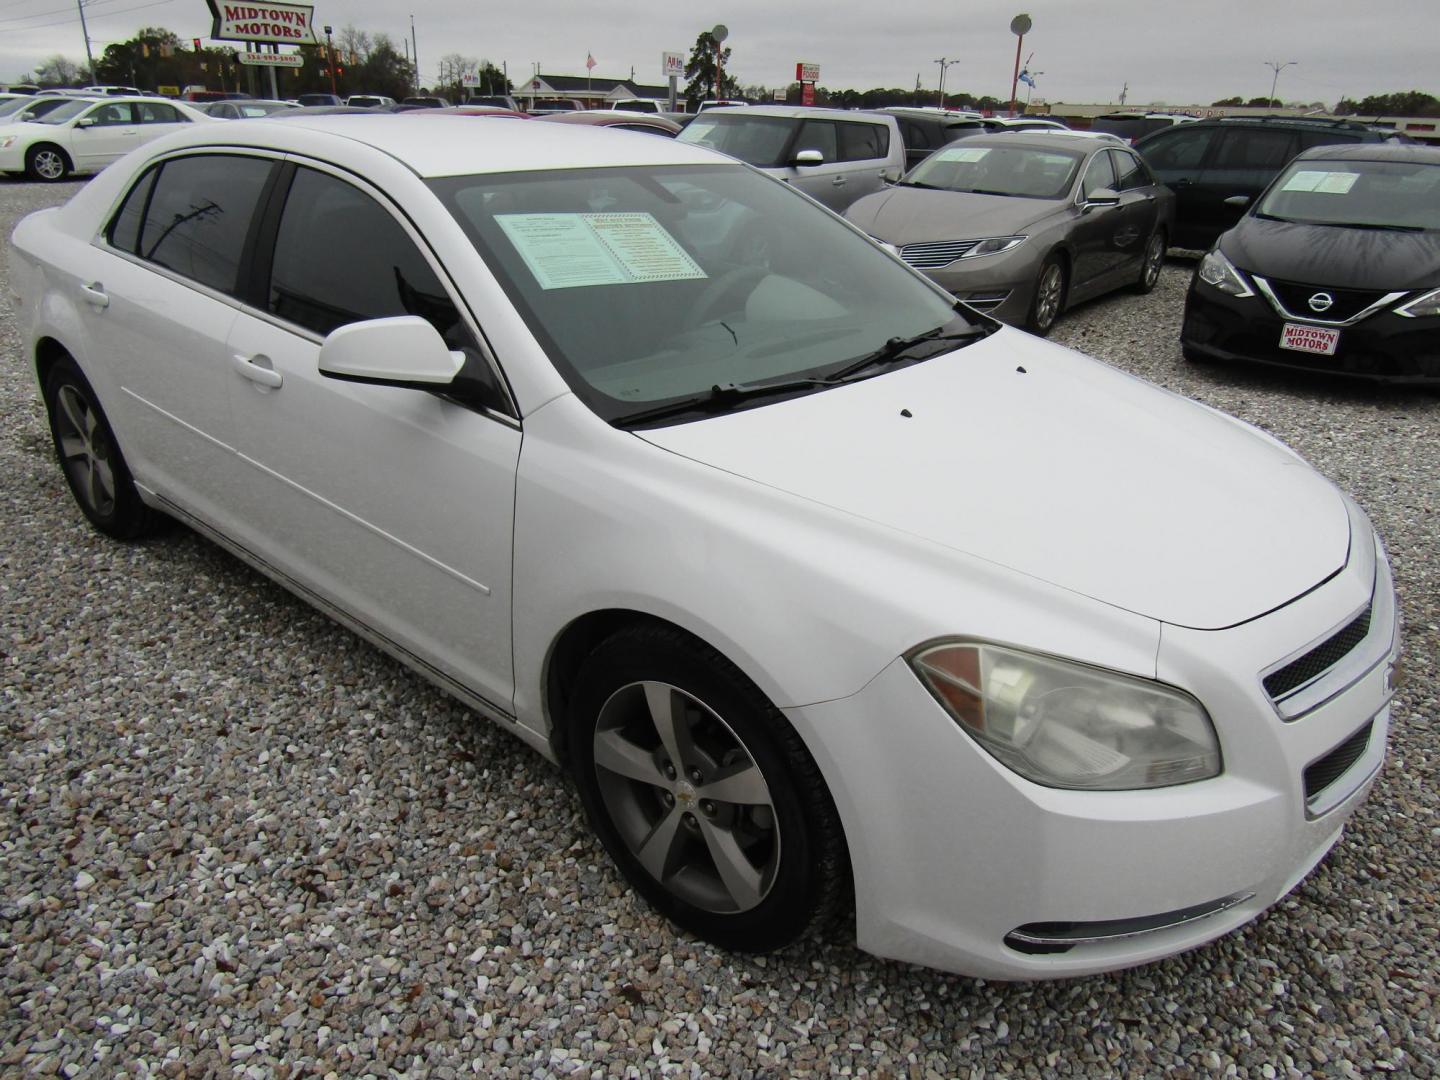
<point>812,579</point>
<point>86,134</point>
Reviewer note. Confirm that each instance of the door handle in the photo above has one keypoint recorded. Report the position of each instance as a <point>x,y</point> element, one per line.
<point>839,181</point>
<point>257,369</point>
<point>94,294</point>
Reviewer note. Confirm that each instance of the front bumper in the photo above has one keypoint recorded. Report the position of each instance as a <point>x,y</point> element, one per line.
<point>1001,285</point>
<point>953,854</point>
<point>1385,346</point>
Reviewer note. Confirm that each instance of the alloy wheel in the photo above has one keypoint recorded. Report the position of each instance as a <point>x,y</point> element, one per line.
<point>1047,302</point>
<point>686,797</point>
<point>1154,258</point>
<point>49,165</point>
<point>85,451</point>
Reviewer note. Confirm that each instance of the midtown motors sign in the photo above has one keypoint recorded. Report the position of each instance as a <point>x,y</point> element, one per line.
<point>281,24</point>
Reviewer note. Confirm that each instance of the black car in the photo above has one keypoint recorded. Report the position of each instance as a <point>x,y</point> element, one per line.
<point>1132,127</point>
<point>1336,268</point>
<point>1218,167</point>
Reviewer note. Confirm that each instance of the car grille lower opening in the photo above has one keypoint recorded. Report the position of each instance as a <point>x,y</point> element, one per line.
<point>1038,939</point>
<point>931,255</point>
<point>1320,774</point>
<point>1319,659</point>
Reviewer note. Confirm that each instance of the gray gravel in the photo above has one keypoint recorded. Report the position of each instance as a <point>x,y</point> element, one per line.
<point>238,841</point>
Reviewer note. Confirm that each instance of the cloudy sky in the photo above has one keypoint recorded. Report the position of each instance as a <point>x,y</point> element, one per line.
<point>1167,51</point>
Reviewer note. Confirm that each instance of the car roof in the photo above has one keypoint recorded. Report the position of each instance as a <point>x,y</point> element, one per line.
<point>1047,140</point>
<point>434,146</point>
<point>804,111</point>
<point>1376,151</point>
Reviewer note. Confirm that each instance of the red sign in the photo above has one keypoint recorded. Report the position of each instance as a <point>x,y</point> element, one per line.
<point>807,93</point>
<point>1311,339</point>
<point>807,73</point>
<point>197,44</point>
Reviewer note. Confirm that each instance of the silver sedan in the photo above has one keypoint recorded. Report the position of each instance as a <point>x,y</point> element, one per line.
<point>1023,226</point>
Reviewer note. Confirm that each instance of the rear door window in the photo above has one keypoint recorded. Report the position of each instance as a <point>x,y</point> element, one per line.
<point>1251,149</point>
<point>863,142</point>
<point>192,215</point>
<point>1179,153</point>
<point>819,135</point>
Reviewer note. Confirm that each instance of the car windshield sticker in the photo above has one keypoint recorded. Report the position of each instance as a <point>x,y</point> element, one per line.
<point>566,251</point>
<point>970,153</point>
<point>1332,183</point>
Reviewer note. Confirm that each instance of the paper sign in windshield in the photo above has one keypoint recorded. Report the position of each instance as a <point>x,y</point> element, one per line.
<point>971,153</point>
<point>568,251</point>
<point>1331,183</point>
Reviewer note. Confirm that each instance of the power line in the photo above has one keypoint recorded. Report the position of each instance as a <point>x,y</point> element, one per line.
<point>102,15</point>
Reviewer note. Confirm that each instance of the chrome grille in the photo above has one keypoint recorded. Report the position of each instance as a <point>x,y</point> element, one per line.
<point>935,253</point>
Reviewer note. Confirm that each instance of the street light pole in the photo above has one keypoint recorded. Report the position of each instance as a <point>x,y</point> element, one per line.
<point>944,63</point>
<point>330,61</point>
<point>1277,67</point>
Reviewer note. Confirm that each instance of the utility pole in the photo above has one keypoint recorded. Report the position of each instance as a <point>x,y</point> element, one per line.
<point>89,57</point>
<point>1277,67</point>
<point>415,52</point>
<point>944,63</point>
<point>1124,90</point>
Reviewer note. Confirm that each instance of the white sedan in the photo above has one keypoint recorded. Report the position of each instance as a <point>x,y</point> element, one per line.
<point>87,134</point>
<point>811,578</point>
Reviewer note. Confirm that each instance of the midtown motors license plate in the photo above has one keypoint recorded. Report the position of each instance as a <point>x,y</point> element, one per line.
<point>1311,339</point>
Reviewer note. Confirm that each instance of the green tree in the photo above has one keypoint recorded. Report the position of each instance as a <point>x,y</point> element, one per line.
<point>700,70</point>
<point>1228,102</point>
<point>1263,103</point>
<point>1408,103</point>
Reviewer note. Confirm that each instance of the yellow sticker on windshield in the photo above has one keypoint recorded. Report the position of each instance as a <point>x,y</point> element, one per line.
<point>957,153</point>
<point>567,251</point>
<point>1330,183</point>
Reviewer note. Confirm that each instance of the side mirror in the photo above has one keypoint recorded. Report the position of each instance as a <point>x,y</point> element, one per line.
<point>809,157</point>
<point>1238,200</point>
<point>1100,198</point>
<point>404,351</point>
<point>86,121</point>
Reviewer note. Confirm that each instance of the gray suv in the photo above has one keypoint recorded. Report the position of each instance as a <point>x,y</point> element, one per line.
<point>833,156</point>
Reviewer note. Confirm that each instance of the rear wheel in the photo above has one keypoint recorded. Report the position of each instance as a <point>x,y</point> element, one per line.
<point>1152,262</point>
<point>1049,298</point>
<point>46,163</point>
<point>703,793</point>
<point>90,458</point>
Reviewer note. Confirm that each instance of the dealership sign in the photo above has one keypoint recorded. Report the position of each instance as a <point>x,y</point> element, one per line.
<point>807,73</point>
<point>272,59</point>
<point>279,24</point>
<point>672,65</point>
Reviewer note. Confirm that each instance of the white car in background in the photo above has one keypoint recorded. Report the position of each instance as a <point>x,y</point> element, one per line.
<point>85,135</point>
<point>811,577</point>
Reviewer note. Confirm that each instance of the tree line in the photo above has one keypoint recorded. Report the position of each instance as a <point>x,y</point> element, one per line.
<point>372,63</point>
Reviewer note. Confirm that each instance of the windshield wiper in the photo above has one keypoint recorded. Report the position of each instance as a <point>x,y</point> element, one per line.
<point>1378,227</point>
<point>897,348</point>
<point>721,396</point>
<point>917,183</point>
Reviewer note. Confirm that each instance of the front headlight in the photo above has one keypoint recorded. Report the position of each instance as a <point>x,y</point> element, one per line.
<point>1421,306</point>
<point>1069,726</point>
<point>992,245</point>
<point>1215,269</point>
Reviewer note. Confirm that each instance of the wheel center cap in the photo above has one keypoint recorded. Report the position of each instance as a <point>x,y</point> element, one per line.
<point>685,792</point>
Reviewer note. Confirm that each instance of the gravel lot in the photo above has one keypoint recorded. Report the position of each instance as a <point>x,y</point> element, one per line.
<point>239,841</point>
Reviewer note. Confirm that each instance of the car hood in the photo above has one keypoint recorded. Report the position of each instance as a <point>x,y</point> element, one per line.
<point>1334,255</point>
<point>901,215</point>
<point>1031,456</point>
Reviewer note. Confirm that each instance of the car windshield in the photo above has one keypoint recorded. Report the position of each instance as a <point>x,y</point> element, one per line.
<point>649,286</point>
<point>1376,194</point>
<point>758,140</point>
<point>999,170</point>
<point>67,111</point>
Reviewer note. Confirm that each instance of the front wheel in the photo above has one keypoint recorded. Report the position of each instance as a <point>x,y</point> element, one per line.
<point>47,164</point>
<point>1152,262</point>
<point>90,458</point>
<point>1049,298</point>
<point>703,793</point>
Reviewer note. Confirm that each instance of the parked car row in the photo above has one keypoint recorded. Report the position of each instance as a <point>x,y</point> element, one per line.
<point>683,435</point>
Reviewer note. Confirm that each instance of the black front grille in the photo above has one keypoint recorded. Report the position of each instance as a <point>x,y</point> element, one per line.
<point>1345,303</point>
<point>1324,656</point>
<point>1321,774</point>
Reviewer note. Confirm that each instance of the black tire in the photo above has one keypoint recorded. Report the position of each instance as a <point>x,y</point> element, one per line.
<point>47,163</point>
<point>1192,355</point>
<point>798,860</point>
<point>1048,300</point>
<point>90,458</point>
<point>1150,263</point>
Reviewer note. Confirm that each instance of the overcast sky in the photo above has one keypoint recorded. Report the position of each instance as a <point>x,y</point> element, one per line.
<point>1167,51</point>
